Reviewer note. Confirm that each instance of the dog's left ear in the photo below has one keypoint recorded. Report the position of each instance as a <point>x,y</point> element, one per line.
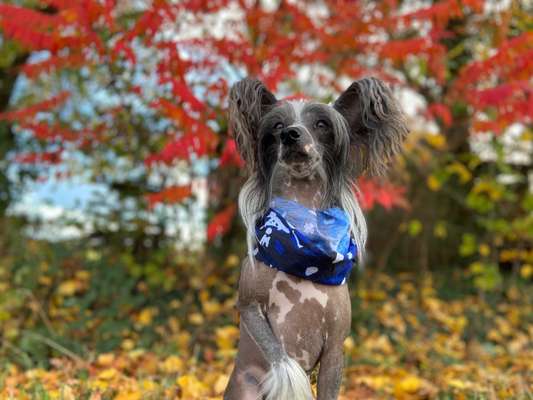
<point>376,122</point>
<point>249,101</point>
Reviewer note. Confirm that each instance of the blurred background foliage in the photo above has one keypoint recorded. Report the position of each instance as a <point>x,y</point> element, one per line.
<point>125,101</point>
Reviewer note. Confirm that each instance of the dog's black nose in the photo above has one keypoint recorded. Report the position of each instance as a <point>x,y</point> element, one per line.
<point>289,136</point>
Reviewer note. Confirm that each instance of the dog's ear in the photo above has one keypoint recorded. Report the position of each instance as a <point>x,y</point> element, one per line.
<point>376,122</point>
<point>249,100</point>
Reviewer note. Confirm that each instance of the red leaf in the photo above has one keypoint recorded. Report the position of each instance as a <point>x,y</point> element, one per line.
<point>173,194</point>
<point>54,63</point>
<point>50,157</point>
<point>221,222</point>
<point>199,144</point>
<point>230,155</point>
<point>385,194</point>
<point>182,91</point>
<point>30,111</point>
<point>399,49</point>
<point>441,111</point>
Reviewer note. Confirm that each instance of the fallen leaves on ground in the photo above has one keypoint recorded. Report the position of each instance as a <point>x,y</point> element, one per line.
<point>409,341</point>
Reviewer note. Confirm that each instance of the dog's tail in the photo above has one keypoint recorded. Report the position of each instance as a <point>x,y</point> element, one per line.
<point>286,380</point>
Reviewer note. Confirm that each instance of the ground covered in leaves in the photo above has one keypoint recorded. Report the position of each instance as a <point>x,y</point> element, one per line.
<point>413,337</point>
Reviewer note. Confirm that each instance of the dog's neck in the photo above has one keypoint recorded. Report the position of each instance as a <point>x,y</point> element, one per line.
<point>308,192</point>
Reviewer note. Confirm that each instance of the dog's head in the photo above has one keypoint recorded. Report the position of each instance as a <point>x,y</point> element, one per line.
<point>309,141</point>
<point>302,136</point>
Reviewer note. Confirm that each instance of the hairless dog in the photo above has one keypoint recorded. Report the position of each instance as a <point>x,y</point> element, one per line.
<point>305,230</point>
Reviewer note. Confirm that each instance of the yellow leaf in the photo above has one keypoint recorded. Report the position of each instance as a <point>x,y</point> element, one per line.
<point>99,384</point>
<point>433,183</point>
<point>440,230</point>
<point>221,383</point>
<point>83,275</point>
<point>436,141</point>
<point>183,340</point>
<point>409,384</point>
<point>148,385</point>
<point>526,271</point>
<point>232,261</point>
<point>68,288</point>
<point>67,393</point>
<point>127,344</point>
<point>44,280</point>
<point>108,374</point>
<point>349,344</point>
<point>146,316</point>
<point>461,171</point>
<point>106,359</point>
<point>458,384</point>
<point>211,307</point>
<point>129,395</point>
<point>172,364</point>
<point>191,387</point>
<point>226,337</point>
<point>484,250</point>
<point>92,255</point>
<point>196,318</point>
<point>36,373</point>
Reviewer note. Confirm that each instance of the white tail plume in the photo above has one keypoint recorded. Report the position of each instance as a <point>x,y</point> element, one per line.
<point>286,380</point>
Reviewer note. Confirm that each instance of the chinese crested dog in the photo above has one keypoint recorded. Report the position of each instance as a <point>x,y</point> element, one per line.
<point>305,230</point>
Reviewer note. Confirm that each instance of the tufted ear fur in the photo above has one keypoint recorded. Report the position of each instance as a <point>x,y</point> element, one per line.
<point>376,122</point>
<point>249,101</point>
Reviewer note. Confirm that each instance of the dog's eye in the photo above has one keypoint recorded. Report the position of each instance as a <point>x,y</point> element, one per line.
<point>321,124</point>
<point>278,126</point>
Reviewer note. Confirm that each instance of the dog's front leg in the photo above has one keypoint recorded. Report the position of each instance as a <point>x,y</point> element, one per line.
<point>330,373</point>
<point>258,329</point>
<point>253,292</point>
<point>258,351</point>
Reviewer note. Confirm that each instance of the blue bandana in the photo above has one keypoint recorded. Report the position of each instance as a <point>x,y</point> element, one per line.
<point>311,244</point>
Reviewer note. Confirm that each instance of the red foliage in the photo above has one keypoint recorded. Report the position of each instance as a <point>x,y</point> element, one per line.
<point>385,194</point>
<point>441,111</point>
<point>31,28</point>
<point>49,157</point>
<point>230,155</point>
<point>272,44</point>
<point>221,222</point>
<point>174,194</point>
<point>182,91</point>
<point>396,50</point>
<point>23,114</point>
<point>184,147</point>
<point>32,70</point>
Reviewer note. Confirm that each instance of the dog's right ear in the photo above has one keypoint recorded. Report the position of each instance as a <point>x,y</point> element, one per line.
<point>249,101</point>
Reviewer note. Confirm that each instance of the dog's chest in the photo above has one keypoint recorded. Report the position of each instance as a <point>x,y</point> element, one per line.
<point>297,311</point>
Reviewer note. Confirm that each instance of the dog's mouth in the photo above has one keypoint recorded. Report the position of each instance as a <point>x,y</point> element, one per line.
<point>290,156</point>
<point>299,163</point>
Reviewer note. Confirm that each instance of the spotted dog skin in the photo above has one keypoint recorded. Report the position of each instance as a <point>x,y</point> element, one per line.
<point>310,153</point>
<point>309,321</point>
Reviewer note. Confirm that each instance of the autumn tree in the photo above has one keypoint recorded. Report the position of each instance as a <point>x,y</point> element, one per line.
<point>147,86</point>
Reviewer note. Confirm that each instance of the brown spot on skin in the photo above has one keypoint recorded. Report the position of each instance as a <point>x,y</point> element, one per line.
<point>303,332</point>
<point>292,294</point>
